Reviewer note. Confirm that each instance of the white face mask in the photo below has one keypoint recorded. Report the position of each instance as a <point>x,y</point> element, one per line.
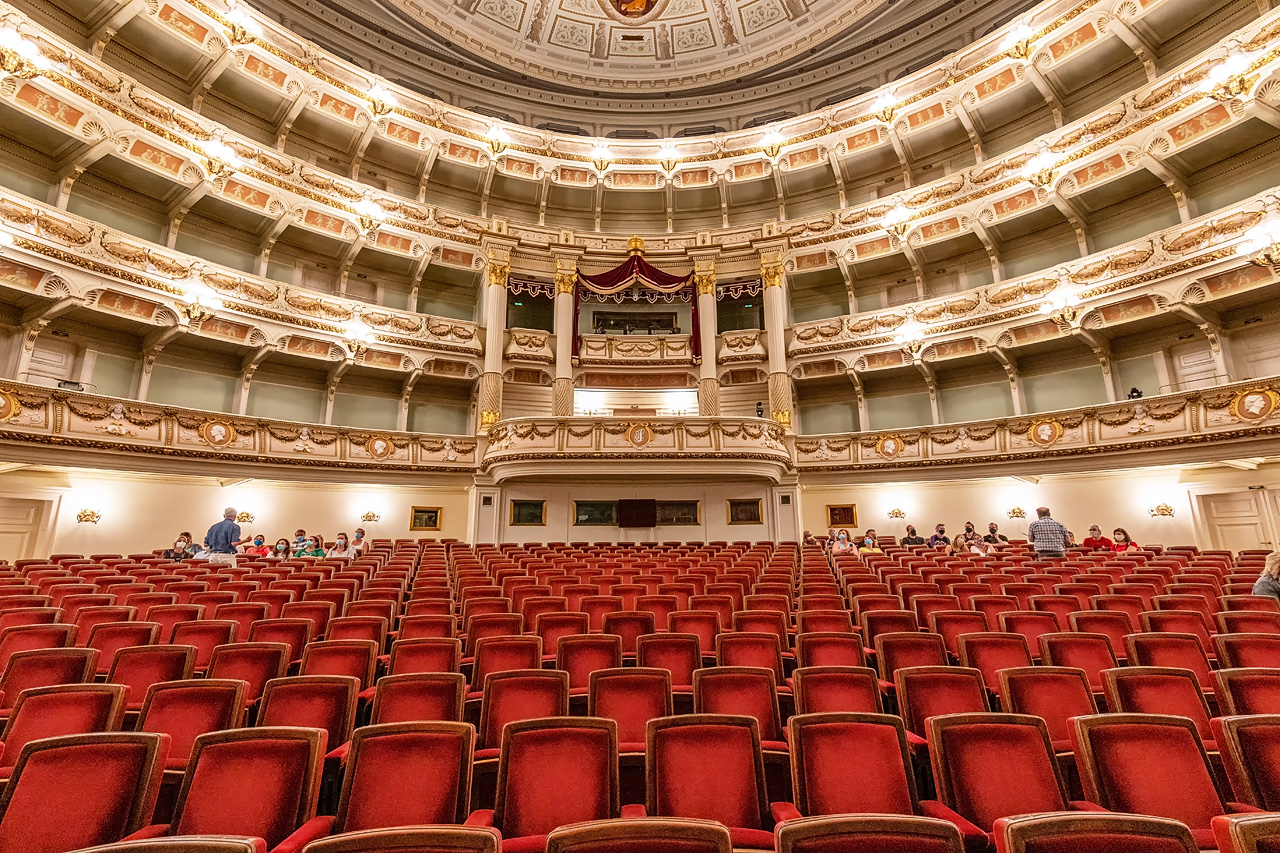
<point>181,543</point>
<point>342,542</point>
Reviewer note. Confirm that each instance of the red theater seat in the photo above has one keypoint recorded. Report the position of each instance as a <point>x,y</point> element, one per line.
<point>1251,753</point>
<point>1064,833</point>
<point>632,836</point>
<point>868,834</point>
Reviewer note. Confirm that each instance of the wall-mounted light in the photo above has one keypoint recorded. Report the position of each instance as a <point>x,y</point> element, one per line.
<point>897,513</point>
<point>1039,170</point>
<point>771,144</point>
<point>381,101</point>
<point>1227,79</point>
<point>200,303</point>
<point>910,339</point>
<point>499,139</point>
<point>1161,511</point>
<point>88,516</point>
<point>1017,512</point>
<point>601,157</point>
<point>241,28</point>
<point>669,157</point>
<point>370,214</point>
<point>370,517</point>
<point>1262,241</point>
<point>1017,42</point>
<point>897,221</point>
<point>1062,309</point>
<point>244,517</point>
<point>6,240</point>
<point>884,106</point>
<point>359,336</point>
<point>220,161</point>
<point>19,57</point>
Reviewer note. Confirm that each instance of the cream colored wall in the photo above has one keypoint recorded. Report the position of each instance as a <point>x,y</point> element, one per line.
<point>140,513</point>
<point>1119,500</point>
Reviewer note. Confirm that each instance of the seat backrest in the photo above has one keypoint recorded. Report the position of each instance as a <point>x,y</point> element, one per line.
<point>991,652</point>
<point>1248,833</point>
<point>740,690</point>
<point>886,833</point>
<point>184,710</point>
<point>629,624</point>
<point>579,753</point>
<point>68,793</point>
<point>1157,690</point>
<point>898,650</point>
<point>253,663</point>
<point>23,638</point>
<point>706,766</point>
<point>679,654</point>
<point>326,702</point>
<point>631,697</point>
<point>1255,690</point>
<point>582,654</point>
<point>1237,650</point>
<point>967,749</point>
<point>406,774</point>
<point>1127,761</point>
<point>425,654</point>
<point>1089,652</point>
<point>139,667</point>
<point>820,748</point>
<point>504,654</point>
<point>750,648</point>
<point>356,658</point>
<point>427,625</point>
<point>46,668</point>
<point>1055,694</point>
<point>836,689</point>
<point>1250,748</point>
<point>1182,651</point>
<point>263,782</point>
<point>952,624</point>
<point>67,709</point>
<point>205,635</point>
<point>927,691</point>
<point>419,696</point>
<point>520,694</point>
<point>829,649</point>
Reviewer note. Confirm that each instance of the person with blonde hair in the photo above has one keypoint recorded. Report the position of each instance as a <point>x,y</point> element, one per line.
<point>1268,583</point>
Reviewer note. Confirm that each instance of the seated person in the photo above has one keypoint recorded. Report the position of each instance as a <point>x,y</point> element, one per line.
<point>258,547</point>
<point>313,547</point>
<point>911,538</point>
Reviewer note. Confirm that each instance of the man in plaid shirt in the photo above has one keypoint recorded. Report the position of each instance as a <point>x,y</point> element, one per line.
<point>1047,536</point>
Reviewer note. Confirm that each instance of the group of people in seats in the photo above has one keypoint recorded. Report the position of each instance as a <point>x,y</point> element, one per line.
<point>224,543</point>
<point>766,696</point>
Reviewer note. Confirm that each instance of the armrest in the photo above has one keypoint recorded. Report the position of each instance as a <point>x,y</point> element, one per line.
<point>1084,806</point>
<point>156,830</point>
<point>634,811</point>
<point>480,817</point>
<point>784,811</point>
<point>933,808</point>
<point>1242,808</point>
<point>317,827</point>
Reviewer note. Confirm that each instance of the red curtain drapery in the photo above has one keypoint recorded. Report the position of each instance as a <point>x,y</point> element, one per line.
<point>634,270</point>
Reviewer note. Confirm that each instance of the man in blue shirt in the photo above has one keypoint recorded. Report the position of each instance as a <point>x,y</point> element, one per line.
<point>223,537</point>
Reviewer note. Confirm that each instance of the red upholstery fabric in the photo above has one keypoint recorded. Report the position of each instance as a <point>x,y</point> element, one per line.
<point>139,668</point>
<point>250,787</point>
<point>821,690</point>
<point>406,778</point>
<point>829,649</point>
<point>59,711</point>
<point>418,696</point>
<point>879,787</point>
<point>630,697</point>
<point>871,843</point>
<point>186,710</point>
<point>993,652</point>
<point>78,795</point>
<point>679,654</point>
<point>504,654</point>
<point>708,772</point>
<point>580,655</point>
<point>744,691</point>
<point>1239,650</point>
<point>1161,693</point>
<point>320,703</point>
<point>1260,750</point>
<point>1055,697</point>
<point>1253,692</point>
<point>424,654</point>
<point>996,770</point>
<point>1154,770</point>
<point>930,692</point>
<point>1101,842</point>
<point>578,759</point>
<point>1180,651</point>
<point>45,668</point>
<point>519,696</point>
<point>1090,652</point>
<point>253,663</point>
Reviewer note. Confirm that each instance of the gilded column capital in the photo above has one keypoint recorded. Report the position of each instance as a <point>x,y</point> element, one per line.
<point>771,269</point>
<point>705,282</point>
<point>566,276</point>
<point>498,272</point>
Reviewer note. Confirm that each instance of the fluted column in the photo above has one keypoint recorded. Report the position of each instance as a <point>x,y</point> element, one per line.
<point>772,276</point>
<point>562,387</point>
<point>704,279</point>
<point>497,271</point>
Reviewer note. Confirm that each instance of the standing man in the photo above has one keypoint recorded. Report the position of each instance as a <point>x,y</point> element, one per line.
<point>994,536</point>
<point>222,539</point>
<point>1047,536</point>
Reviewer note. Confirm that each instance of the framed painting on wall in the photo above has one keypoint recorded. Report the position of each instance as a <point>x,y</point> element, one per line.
<point>842,515</point>
<point>746,511</point>
<point>528,513</point>
<point>424,518</point>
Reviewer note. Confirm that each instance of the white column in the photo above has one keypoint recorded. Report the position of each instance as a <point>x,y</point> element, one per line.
<point>562,387</point>
<point>497,271</point>
<point>704,279</point>
<point>772,276</point>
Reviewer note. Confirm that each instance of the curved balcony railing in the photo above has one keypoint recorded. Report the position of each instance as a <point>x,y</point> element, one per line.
<point>49,426</point>
<point>174,142</point>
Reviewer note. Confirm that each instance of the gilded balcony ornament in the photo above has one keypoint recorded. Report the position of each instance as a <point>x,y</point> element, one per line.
<point>566,279</point>
<point>198,304</point>
<point>488,418</point>
<point>220,161</point>
<point>1228,79</point>
<point>1262,244</point>
<point>601,158</point>
<point>1062,309</point>
<point>19,57</point>
<point>499,139</point>
<point>241,28</point>
<point>884,106</point>
<point>1040,170</point>
<point>1017,42</point>
<point>1161,510</point>
<point>359,336</point>
<point>669,158</point>
<point>771,144</point>
<point>771,275</point>
<point>381,101</point>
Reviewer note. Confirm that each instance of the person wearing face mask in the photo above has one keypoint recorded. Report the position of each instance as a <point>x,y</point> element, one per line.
<point>311,548</point>
<point>282,550</point>
<point>843,543</point>
<point>1095,541</point>
<point>299,540</point>
<point>969,539</point>
<point>258,547</point>
<point>181,547</point>
<point>994,536</point>
<point>939,539</point>
<point>340,548</point>
<point>829,544</point>
<point>358,543</point>
<point>912,538</point>
<point>868,546</point>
